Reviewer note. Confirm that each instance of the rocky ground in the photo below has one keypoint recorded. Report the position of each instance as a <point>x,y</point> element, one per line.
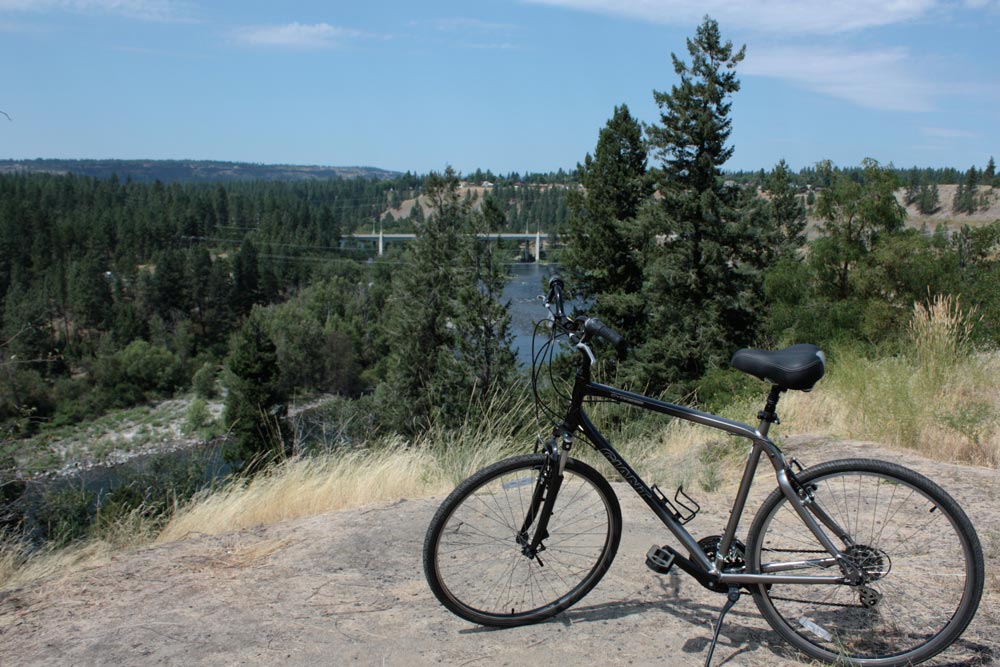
<point>347,588</point>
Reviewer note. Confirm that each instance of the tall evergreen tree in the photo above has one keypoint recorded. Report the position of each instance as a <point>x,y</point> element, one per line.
<point>787,213</point>
<point>256,405</point>
<point>246,278</point>
<point>912,186</point>
<point>602,257</point>
<point>89,293</point>
<point>966,195</point>
<point>483,326</point>
<point>423,370</point>
<point>699,290</point>
<point>929,199</point>
<point>450,338</point>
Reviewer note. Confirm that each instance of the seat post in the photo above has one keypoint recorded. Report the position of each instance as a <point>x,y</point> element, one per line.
<point>769,414</point>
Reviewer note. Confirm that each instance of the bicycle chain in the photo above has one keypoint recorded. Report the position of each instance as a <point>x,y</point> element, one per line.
<point>813,602</point>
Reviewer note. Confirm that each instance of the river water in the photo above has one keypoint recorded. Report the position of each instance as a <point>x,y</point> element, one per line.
<point>527,283</point>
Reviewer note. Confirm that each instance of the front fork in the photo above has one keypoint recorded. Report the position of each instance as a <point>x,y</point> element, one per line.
<point>544,497</point>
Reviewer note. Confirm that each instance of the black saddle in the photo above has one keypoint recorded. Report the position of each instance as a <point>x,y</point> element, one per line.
<point>796,367</point>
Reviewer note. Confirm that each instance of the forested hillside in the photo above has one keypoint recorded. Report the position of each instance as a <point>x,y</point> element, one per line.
<point>190,171</point>
<point>119,292</point>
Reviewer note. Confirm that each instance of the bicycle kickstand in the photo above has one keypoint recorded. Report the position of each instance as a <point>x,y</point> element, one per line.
<point>733,597</point>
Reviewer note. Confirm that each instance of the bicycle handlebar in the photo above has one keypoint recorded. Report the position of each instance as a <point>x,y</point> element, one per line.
<point>555,295</point>
<point>591,325</point>
<point>595,327</point>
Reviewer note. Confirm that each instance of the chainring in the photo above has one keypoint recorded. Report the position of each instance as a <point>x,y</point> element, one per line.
<point>734,561</point>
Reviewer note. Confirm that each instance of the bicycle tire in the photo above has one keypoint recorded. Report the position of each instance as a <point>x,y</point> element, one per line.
<point>475,566</point>
<point>922,560</point>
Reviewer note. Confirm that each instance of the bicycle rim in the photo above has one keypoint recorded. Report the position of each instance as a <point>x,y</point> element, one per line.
<point>476,566</point>
<point>921,559</point>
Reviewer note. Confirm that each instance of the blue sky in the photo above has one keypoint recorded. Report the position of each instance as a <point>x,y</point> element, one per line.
<point>509,85</point>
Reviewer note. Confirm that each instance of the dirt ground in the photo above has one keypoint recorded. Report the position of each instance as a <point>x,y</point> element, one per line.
<point>347,588</point>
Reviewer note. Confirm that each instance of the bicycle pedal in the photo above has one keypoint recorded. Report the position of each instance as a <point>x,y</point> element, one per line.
<point>660,559</point>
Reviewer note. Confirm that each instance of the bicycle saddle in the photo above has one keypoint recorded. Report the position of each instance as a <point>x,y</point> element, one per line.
<point>796,367</point>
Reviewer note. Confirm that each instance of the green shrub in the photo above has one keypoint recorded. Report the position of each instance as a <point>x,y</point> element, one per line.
<point>138,372</point>
<point>198,419</point>
<point>204,381</point>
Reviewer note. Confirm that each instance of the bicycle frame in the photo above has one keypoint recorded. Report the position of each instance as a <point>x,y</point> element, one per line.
<point>707,572</point>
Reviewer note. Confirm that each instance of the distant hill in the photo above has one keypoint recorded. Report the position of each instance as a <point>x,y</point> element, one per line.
<point>203,171</point>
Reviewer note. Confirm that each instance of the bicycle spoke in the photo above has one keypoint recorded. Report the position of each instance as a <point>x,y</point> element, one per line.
<point>482,566</point>
<point>908,554</point>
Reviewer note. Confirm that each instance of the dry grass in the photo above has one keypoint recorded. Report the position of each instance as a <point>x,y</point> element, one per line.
<point>19,564</point>
<point>307,486</point>
<point>390,470</point>
<point>940,397</point>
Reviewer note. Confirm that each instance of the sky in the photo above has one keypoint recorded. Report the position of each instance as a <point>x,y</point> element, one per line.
<point>506,85</point>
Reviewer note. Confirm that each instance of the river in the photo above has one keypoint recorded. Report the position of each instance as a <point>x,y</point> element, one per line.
<point>527,283</point>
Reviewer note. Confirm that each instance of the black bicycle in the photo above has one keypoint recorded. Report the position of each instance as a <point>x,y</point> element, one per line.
<point>853,561</point>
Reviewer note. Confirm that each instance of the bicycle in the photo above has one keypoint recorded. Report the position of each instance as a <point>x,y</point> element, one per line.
<point>854,561</point>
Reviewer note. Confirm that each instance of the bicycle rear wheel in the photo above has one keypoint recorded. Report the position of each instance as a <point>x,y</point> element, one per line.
<point>476,566</point>
<point>920,557</point>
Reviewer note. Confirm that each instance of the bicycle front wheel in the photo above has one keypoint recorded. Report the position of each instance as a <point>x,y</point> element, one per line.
<point>476,566</point>
<point>918,554</point>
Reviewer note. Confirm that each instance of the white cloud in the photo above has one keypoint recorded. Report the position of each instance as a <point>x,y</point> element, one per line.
<point>946,133</point>
<point>296,35</point>
<point>874,79</point>
<point>784,16</point>
<point>463,25</point>
<point>155,10</point>
<point>472,33</point>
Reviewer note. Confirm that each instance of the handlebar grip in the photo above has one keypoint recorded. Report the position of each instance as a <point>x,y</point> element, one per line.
<point>555,295</point>
<point>595,327</point>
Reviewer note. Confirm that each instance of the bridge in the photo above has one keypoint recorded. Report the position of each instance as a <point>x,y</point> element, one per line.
<point>381,237</point>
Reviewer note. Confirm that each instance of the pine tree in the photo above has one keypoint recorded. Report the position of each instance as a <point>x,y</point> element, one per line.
<point>912,186</point>
<point>929,199</point>
<point>966,196</point>
<point>958,203</point>
<point>483,326</point>
<point>787,212</point>
<point>450,339</point>
<point>602,257</point>
<point>700,292</point>
<point>89,293</point>
<point>246,278</point>
<point>256,407</point>
<point>424,371</point>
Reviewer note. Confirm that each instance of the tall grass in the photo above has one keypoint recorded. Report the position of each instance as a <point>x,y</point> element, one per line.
<point>937,396</point>
<point>391,470</point>
<point>22,562</point>
<point>384,469</point>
